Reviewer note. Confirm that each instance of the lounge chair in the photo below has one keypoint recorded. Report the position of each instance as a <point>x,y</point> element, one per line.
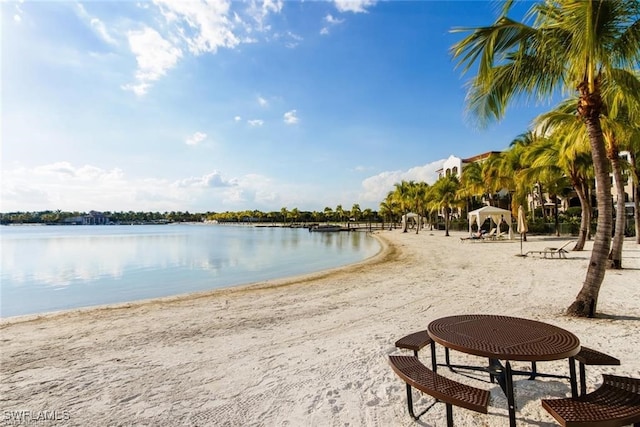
<point>502,235</point>
<point>552,252</point>
<point>492,234</point>
<point>480,236</point>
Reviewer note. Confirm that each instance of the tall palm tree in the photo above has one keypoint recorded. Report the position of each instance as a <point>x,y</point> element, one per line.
<point>493,181</point>
<point>339,213</point>
<point>416,193</point>
<point>515,162</point>
<point>356,212</point>
<point>285,214</point>
<point>561,154</point>
<point>618,128</point>
<point>403,197</point>
<point>634,167</point>
<point>444,193</point>
<point>572,45</point>
<point>388,208</point>
<point>328,214</point>
<point>471,183</point>
<point>367,214</point>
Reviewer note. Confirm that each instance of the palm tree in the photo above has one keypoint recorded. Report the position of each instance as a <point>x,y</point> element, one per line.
<point>444,193</point>
<point>388,208</point>
<point>367,214</point>
<point>559,154</point>
<point>567,149</point>
<point>416,194</point>
<point>471,183</point>
<point>339,213</point>
<point>634,166</point>
<point>356,212</point>
<point>403,197</point>
<point>328,213</point>
<point>285,214</point>
<point>619,126</point>
<point>572,45</point>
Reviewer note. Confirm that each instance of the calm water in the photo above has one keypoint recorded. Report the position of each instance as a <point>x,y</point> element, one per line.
<point>50,268</point>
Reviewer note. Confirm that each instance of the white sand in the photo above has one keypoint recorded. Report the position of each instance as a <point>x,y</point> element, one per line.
<point>312,351</point>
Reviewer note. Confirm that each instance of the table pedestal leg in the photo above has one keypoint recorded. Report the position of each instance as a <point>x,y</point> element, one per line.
<point>434,363</point>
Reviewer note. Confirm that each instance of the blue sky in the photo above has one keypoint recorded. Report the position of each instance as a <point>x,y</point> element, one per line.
<point>219,105</point>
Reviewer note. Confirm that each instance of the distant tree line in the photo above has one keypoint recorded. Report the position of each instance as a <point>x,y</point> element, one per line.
<point>284,215</point>
<point>62,217</point>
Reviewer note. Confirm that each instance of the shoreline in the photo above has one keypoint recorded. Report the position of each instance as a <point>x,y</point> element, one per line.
<point>313,350</point>
<point>191,294</point>
<point>381,256</point>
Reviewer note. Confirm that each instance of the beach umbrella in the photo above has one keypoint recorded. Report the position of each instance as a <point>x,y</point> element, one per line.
<point>522,225</point>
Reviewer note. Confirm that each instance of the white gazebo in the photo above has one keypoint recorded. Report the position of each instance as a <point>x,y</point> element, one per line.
<point>410,216</point>
<point>496,214</point>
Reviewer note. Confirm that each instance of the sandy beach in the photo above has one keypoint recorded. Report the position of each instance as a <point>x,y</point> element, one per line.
<point>312,350</point>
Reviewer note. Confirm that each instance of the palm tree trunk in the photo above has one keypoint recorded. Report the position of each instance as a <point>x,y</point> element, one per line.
<point>636,193</point>
<point>615,256</point>
<point>555,215</point>
<point>585,217</point>
<point>446,221</point>
<point>587,299</point>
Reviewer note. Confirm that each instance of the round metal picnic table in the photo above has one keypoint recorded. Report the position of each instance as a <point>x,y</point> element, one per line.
<point>506,338</point>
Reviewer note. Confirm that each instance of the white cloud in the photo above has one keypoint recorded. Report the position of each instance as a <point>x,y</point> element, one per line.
<point>237,118</point>
<point>263,102</point>
<point>101,30</point>
<point>292,40</point>
<point>196,138</point>
<point>256,122</point>
<point>290,117</point>
<point>200,26</point>
<point>376,188</point>
<point>355,6</point>
<point>211,180</point>
<point>154,56</point>
<point>259,11</point>
<point>333,20</point>
<point>96,24</point>
<point>64,186</point>
<point>17,17</point>
<point>204,25</point>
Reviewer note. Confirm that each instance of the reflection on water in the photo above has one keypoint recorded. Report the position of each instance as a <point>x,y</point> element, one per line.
<point>51,268</point>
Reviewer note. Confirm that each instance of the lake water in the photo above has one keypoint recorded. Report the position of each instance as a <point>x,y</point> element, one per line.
<point>51,268</point>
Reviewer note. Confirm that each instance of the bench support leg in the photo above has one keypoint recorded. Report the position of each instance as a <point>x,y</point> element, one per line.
<point>410,405</point>
<point>583,379</point>
<point>508,382</point>
<point>410,402</point>
<point>572,377</point>
<point>534,371</point>
<point>449,415</point>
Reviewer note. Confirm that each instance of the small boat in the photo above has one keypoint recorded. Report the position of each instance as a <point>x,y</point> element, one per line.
<point>325,228</point>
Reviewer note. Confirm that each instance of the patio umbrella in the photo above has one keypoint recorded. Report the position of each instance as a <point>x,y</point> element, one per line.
<point>522,225</point>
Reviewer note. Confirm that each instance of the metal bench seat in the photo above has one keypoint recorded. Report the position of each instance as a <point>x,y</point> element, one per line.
<point>414,341</point>
<point>615,403</point>
<point>589,356</point>
<point>451,392</point>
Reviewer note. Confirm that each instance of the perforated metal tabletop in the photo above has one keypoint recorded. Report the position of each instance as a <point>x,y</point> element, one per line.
<point>504,337</point>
